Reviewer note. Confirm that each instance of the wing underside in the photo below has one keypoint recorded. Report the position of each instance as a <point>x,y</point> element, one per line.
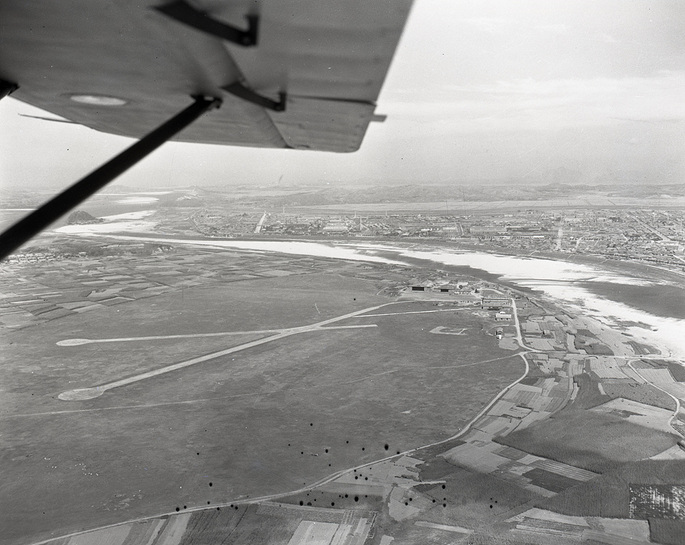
<point>325,60</point>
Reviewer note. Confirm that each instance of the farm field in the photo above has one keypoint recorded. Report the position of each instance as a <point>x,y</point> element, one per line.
<point>610,496</point>
<point>264,523</point>
<point>266,420</point>
<point>571,436</point>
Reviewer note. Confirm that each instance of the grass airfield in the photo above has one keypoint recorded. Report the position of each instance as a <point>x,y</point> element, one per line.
<point>270,419</point>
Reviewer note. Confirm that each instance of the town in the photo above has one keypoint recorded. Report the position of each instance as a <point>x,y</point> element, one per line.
<point>649,236</point>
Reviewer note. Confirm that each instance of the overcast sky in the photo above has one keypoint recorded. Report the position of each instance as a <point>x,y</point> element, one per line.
<point>502,90</point>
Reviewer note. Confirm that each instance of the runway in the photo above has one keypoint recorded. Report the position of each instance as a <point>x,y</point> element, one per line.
<point>84,394</point>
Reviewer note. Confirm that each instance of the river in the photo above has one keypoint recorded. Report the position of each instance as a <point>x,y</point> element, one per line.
<point>587,289</point>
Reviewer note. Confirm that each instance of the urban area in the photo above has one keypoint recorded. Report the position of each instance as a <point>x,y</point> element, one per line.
<point>650,236</point>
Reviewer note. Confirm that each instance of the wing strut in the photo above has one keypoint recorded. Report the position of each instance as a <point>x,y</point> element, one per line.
<point>183,12</point>
<point>39,219</point>
<point>239,90</point>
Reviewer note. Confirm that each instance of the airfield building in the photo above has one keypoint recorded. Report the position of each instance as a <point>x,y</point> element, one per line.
<point>495,303</point>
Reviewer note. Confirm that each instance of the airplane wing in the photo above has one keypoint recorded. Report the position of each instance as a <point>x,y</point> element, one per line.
<point>301,74</point>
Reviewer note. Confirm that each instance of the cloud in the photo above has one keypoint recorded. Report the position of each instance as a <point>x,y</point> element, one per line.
<point>532,104</point>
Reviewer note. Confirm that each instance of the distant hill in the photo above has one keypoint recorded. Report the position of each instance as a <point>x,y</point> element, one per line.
<point>410,193</point>
<point>419,193</point>
<point>80,217</point>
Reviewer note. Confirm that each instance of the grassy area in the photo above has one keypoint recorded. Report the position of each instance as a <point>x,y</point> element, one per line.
<point>212,526</point>
<point>250,305</point>
<point>677,370</point>
<point>267,420</point>
<point>642,393</point>
<point>588,393</point>
<point>667,532</point>
<point>589,440</point>
<point>328,499</point>
<point>470,497</point>
<point>550,481</point>
<point>591,344</point>
<point>243,524</point>
<point>642,349</point>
